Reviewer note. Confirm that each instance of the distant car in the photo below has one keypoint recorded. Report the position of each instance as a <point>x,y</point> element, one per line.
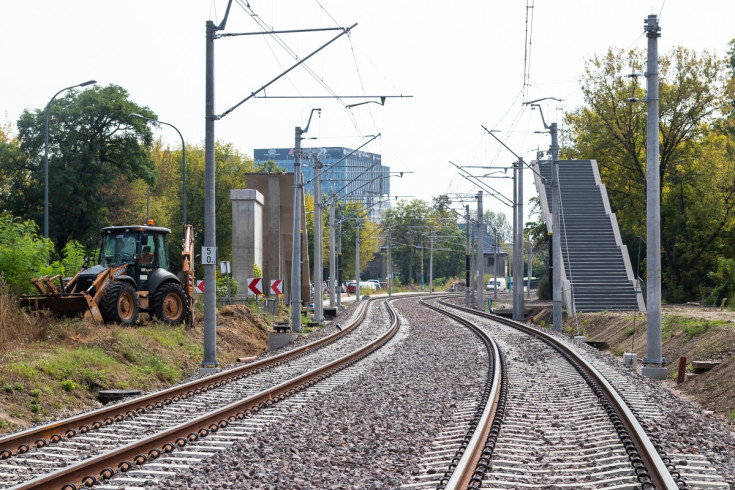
<point>363,285</point>
<point>498,283</point>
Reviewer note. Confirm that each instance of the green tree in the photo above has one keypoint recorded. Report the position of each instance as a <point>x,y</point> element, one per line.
<point>693,93</point>
<point>230,168</point>
<point>269,166</point>
<point>413,224</point>
<point>350,214</point>
<point>92,142</point>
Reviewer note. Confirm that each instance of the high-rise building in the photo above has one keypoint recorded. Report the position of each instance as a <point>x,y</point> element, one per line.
<point>356,176</point>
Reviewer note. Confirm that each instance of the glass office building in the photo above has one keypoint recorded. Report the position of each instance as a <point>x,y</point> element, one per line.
<point>353,175</point>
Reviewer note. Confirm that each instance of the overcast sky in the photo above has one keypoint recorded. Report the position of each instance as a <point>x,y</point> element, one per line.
<point>462,62</point>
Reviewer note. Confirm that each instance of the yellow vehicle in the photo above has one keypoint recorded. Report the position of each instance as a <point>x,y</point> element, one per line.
<point>132,276</point>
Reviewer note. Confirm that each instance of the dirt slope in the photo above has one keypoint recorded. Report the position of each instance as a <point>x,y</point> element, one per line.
<point>692,331</point>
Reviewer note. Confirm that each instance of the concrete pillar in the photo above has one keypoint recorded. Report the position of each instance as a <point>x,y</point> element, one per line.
<point>247,236</point>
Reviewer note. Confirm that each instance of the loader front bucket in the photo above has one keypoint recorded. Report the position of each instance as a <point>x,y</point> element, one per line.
<point>63,305</point>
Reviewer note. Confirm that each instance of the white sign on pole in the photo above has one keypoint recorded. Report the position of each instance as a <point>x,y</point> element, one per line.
<point>209,255</point>
<point>224,267</point>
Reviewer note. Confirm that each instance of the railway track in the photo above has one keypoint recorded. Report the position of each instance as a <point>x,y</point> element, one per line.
<point>562,424</point>
<point>121,438</point>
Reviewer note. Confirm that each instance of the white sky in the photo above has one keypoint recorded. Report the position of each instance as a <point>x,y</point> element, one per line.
<point>461,61</point>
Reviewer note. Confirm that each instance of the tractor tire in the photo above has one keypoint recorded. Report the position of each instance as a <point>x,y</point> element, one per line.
<point>169,303</point>
<point>120,304</point>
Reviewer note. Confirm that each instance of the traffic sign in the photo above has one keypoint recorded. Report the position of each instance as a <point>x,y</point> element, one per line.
<point>277,286</point>
<point>224,267</point>
<point>200,286</point>
<point>255,285</point>
<point>209,255</point>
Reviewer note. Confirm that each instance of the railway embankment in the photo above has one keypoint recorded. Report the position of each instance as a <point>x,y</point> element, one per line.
<point>693,331</point>
<point>56,367</point>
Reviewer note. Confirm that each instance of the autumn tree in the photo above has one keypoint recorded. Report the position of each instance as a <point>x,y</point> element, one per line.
<point>93,142</point>
<point>695,172</point>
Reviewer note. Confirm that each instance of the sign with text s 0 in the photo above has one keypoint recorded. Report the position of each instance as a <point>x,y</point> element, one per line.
<point>209,255</point>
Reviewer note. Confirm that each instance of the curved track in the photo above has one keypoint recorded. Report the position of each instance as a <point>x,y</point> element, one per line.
<point>559,401</point>
<point>113,422</point>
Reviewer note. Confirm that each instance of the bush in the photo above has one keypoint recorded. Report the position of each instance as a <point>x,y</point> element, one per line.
<point>22,252</point>
<point>544,288</point>
<point>222,286</point>
<point>724,280</point>
<point>68,385</point>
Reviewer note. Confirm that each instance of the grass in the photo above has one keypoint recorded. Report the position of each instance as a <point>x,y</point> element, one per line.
<point>690,327</point>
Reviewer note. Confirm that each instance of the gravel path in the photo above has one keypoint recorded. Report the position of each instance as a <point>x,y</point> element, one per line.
<point>368,433</point>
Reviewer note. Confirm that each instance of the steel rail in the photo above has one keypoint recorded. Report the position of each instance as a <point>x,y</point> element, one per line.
<point>662,474</point>
<point>56,431</point>
<point>465,467</point>
<point>121,460</point>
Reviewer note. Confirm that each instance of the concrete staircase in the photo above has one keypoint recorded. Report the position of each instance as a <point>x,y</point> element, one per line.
<point>597,274</point>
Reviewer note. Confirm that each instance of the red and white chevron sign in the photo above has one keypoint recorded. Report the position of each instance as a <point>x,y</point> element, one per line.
<point>277,286</point>
<point>255,285</point>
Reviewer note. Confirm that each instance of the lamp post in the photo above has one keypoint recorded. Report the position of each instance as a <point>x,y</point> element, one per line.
<point>45,144</point>
<point>183,156</point>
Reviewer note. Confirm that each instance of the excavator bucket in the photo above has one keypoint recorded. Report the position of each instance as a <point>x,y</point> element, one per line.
<point>64,305</point>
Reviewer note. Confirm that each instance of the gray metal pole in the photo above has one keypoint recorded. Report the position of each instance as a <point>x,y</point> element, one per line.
<point>390,266</point>
<point>473,276</point>
<point>296,247</point>
<point>467,259</point>
<point>332,256</point>
<point>495,263</point>
<point>209,362</point>
<point>556,231</point>
<point>529,268</point>
<point>357,261</point>
<point>480,283</point>
<point>339,263</point>
<point>318,249</point>
<point>518,303</point>
<point>654,364</point>
<point>431,266</point>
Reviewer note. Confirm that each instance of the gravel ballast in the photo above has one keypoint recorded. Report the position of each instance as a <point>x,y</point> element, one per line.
<point>369,433</point>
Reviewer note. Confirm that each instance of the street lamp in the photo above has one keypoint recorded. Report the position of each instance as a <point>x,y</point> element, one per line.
<point>45,144</point>
<point>183,155</point>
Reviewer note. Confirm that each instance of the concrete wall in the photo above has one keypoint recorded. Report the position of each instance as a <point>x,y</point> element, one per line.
<point>277,190</point>
<point>247,235</point>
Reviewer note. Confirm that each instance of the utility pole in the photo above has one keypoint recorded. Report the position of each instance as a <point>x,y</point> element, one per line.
<point>422,266</point>
<point>296,252</point>
<point>495,263</point>
<point>518,305</point>
<point>473,276</point>
<point>339,262</point>
<point>480,282</point>
<point>209,363</point>
<point>390,265</point>
<point>654,364</point>
<point>295,289</point>
<point>530,268</point>
<point>431,267</point>
<point>556,230</point>
<point>332,268</point>
<point>357,260</point>
<point>467,258</point>
<point>318,269</point>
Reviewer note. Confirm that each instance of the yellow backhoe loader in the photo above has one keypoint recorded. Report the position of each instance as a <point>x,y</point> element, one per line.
<point>132,276</point>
